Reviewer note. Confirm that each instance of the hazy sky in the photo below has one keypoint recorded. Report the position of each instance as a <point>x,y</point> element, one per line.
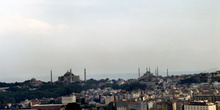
<point>108,37</point>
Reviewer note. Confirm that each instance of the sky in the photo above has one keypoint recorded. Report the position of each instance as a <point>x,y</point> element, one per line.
<point>110,38</point>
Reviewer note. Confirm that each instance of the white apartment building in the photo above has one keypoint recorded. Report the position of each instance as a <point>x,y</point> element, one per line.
<point>68,99</point>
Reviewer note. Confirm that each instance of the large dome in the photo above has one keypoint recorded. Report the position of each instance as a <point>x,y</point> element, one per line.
<point>68,74</point>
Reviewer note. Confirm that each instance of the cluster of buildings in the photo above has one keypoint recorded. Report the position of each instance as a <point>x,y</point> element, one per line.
<point>164,93</point>
<point>101,99</point>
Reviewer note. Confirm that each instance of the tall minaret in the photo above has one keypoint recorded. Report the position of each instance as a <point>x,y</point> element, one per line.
<point>146,70</point>
<point>51,76</point>
<point>71,77</point>
<point>85,74</point>
<point>157,71</point>
<point>167,72</point>
<point>139,73</point>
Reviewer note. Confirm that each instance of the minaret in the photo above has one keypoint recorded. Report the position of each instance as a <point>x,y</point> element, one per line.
<point>146,70</point>
<point>139,73</point>
<point>157,71</point>
<point>167,72</point>
<point>51,76</point>
<point>71,77</point>
<point>85,74</point>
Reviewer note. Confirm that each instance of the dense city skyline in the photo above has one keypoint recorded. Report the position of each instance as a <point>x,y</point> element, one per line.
<point>107,37</point>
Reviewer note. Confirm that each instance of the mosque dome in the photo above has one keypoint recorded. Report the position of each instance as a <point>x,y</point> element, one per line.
<point>68,74</point>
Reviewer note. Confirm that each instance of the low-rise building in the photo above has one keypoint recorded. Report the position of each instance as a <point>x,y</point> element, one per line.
<point>48,107</point>
<point>200,106</point>
<point>137,106</point>
<point>210,97</point>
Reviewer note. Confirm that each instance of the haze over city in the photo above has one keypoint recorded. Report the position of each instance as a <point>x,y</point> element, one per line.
<point>109,38</point>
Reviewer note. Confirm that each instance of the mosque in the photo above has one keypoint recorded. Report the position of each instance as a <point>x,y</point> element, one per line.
<point>68,77</point>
